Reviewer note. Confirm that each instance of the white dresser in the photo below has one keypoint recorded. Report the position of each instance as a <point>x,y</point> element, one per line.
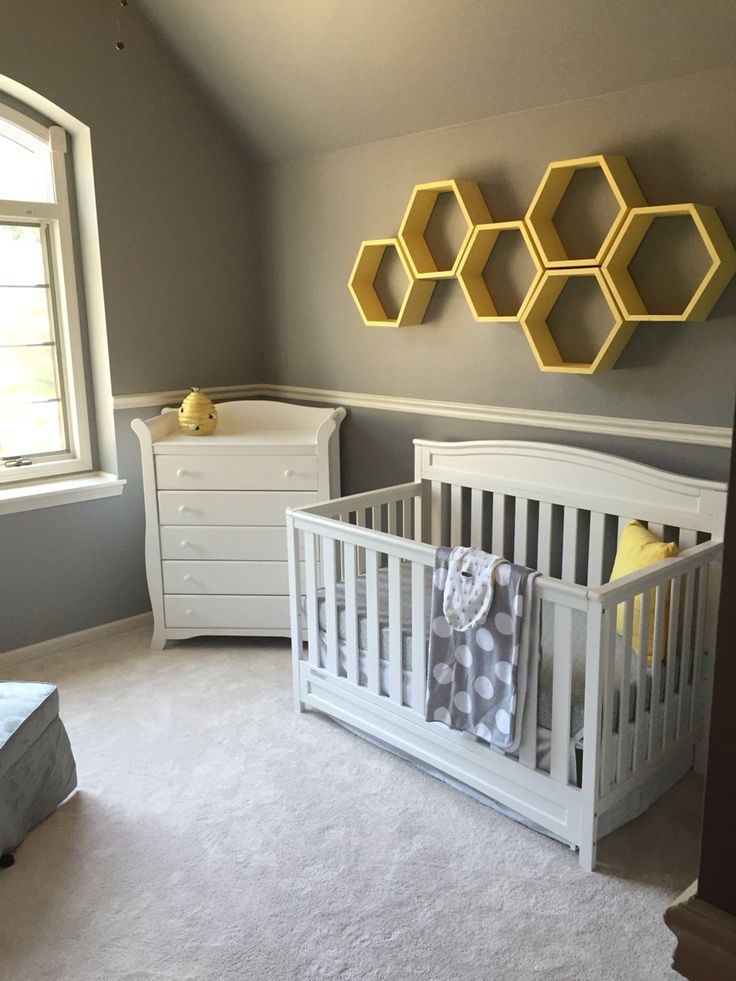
<point>216,548</point>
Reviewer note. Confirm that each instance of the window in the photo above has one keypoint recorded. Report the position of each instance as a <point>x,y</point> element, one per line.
<point>44,429</point>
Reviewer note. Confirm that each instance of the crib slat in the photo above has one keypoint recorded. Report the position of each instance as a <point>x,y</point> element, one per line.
<point>407,519</point>
<point>684,689</point>
<point>423,514</point>
<point>655,734</point>
<point>329,559</point>
<point>608,661</point>
<point>688,538</point>
<point>622,522</point>
<point>456,515</point>
<point>351,616</point>
<point>561,695</point>
<point>595,634</point>
<point>395,672</point>
<point>361,522</point>
<point>544,555</point>
<point>571,530</point>
<point>671,663</point>
<point>596,548</point>
<point>373,667</point>
<point>499,524</point>
<point>528,744</point>
<point>521,525</point>
<point>624,699</point>
<point>418,637</point>
<point>476,518</point>
<point>393,525</point>
<point>310,561</point>
<point>656,529</point>
<point>640,719</point>
<point>436,514</point>
<point>696,706</point>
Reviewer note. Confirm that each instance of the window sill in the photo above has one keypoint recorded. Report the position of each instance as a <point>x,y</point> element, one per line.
<point>52,493</point>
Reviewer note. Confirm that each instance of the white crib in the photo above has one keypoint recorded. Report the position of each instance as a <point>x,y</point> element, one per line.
<point>358,577</point>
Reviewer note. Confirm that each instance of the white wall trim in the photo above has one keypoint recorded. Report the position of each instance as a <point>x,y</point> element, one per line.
<point>667,432</point>
<point>52,493</point>
<point>175,395</point>
<point>23,655</point>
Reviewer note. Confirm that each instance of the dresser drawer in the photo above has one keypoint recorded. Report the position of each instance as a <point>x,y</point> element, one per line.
<point>230,507</point>
<point>227,577</point>
<point>224,542</point>
<point>223,612</point>
<point>276,473</point>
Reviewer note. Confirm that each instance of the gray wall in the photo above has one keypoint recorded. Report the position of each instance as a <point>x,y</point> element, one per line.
<point>68,568</point>
<point>176,195</point>
<point>677,140</point>
<point>219,272</point>
<point>178,214</point>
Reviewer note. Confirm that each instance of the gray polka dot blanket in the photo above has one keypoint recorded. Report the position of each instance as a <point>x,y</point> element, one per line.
<point>478,658</point>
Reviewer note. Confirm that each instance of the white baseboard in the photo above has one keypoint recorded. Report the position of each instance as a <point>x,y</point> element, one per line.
<point>23,655</point>
<point>650,429</point>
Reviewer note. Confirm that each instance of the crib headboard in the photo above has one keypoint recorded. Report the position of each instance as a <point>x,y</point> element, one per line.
<point>556,508</point>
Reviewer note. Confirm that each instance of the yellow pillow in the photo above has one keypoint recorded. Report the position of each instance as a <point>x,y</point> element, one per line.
<point>638,547</point>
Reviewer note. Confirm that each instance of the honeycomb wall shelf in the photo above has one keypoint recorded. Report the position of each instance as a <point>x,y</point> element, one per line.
<point>551,190</point>
<point>473,209</point>
<point>538,334</point>
<point>362,287</point>
<point>473,263</point>
<point>631,235</point>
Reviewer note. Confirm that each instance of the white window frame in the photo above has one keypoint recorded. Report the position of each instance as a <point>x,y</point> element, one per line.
<point>75,476</point>
<point>55,221</point>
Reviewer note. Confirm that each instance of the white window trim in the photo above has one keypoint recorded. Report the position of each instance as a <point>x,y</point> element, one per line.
<point>56,219</point>
<point>104,482</point>
<point>52,493</point>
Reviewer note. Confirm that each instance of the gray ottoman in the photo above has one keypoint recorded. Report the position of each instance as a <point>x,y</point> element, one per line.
<point>37,769</point>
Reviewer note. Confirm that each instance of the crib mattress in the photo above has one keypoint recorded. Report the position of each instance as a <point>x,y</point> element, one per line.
<point>544,706</point>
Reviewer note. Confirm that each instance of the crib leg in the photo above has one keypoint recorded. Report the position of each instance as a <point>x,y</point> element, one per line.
<point>588,844</point>
<point>296,686</point>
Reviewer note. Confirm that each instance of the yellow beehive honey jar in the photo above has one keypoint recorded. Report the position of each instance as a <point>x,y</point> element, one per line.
<point>197,414</point>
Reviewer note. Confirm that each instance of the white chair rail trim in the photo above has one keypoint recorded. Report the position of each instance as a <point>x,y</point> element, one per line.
<point>668,432</point>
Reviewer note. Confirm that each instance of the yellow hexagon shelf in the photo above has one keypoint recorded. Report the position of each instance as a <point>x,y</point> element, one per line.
<point>361,285</point>
<point>633,232</point>
<point>477,256</point>
<point>541,341</point>
<point>473,209</point>
<point>549,194</point>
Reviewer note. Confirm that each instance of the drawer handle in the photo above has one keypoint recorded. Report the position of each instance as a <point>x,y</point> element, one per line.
<point>181,473</point>
<point>185,543</point>
<point>187,613</point>
<point>288,473</point>
<point>183,508</point>
<point>187,578</point>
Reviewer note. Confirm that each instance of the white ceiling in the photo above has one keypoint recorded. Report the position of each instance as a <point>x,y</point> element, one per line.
<point>299,77</point>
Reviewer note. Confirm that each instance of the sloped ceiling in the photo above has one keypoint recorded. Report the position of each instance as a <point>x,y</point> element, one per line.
<point>299,77</point>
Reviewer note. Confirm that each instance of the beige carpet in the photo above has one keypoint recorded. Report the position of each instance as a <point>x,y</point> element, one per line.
<point>217,835</point>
